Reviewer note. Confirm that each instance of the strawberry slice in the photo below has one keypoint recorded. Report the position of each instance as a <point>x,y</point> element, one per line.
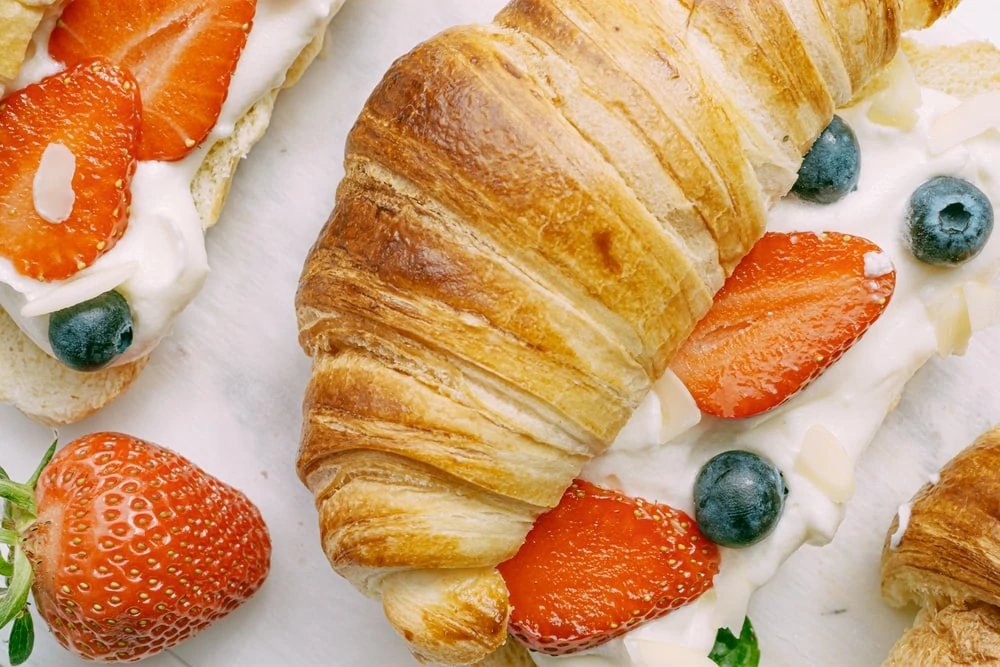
<point>92,111</point>
<point>791,308</point>
<point>182,52</point>
<point>601,564</point>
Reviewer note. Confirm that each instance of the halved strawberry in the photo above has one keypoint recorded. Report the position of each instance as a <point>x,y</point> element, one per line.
<point>93,110</point>
<point>794,305</point>
<point>601,564</point>
<point>182,52</point>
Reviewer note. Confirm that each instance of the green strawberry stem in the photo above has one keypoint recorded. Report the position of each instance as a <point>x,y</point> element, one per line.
<point>19,513</point>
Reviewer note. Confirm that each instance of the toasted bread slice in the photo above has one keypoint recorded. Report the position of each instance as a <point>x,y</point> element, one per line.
<point>963,70</point>
<point>35,383</point>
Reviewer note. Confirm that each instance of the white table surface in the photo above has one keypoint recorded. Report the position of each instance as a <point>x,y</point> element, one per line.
<point>225,390</point>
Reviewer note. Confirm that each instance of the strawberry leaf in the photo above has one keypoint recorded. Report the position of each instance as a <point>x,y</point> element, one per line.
<point>16,597</point>
<point>732,651</point>
<point>17,495</point>
<point>33,482</point>
<point>22,638</point>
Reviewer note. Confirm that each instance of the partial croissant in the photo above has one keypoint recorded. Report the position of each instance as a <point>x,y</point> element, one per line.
<point>535,214</point>
<point>947,560</point>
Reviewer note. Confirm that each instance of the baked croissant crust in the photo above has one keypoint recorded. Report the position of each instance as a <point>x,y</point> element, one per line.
<point>946,560</point>
<point>535,214</point>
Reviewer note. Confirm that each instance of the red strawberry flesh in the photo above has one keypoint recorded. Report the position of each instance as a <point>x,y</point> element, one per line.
<point>792,307</point>
<point>136,549</point>
<point>601,564</point>
<point>182,52</point>
<point>92,109</point>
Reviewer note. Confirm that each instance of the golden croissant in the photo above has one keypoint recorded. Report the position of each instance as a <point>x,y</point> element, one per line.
<point>535,214</point>
<point>946,558</point>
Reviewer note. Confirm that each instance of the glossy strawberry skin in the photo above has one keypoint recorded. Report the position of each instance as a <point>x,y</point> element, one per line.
<point>793,306</point>
<point>601,564</point>
<point>136,549</point>
<point>94,110</point>
<point>182,52</point>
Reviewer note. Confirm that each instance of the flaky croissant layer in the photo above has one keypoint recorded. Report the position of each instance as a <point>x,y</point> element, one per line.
<point>944,558</point>
<point>535,214</point>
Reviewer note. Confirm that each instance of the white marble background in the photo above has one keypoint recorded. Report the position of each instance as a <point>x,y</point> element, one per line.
<point>225,390</point>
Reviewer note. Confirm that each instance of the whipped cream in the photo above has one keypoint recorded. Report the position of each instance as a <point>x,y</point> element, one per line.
<point>816,437</point>
<point>160,263</point>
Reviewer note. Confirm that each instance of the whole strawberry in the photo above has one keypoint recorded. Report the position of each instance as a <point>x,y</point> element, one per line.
<point>128,548</point>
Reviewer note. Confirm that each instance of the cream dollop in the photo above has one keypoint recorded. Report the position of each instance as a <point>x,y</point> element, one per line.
<point>666,412</point>
<point>651,653</point>
<point>877,264</point>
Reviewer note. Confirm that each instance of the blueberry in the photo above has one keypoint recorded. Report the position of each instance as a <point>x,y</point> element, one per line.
<point>949,221</point>
<point>738,498</point>
<point>831,168</point>
<point>89,335</point>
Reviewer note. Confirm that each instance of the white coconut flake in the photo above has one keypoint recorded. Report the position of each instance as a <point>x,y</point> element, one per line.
<point>52,189</point>
<point>983,304</point>
<point>877,264</point>
<point>969,119</point>
<point>824,462</point>
<point>77,290</point>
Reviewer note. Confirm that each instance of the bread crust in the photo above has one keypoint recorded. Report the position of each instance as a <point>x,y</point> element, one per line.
<point>535,214</point>
<point>40,386</point>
